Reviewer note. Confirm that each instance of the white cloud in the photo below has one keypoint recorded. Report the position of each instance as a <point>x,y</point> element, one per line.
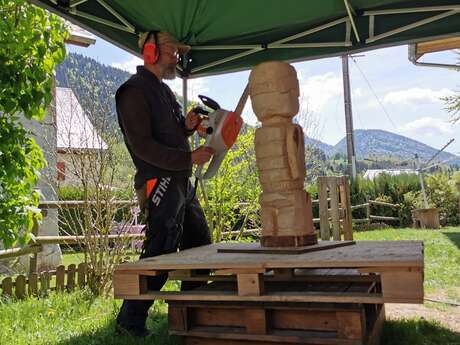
<point>416,95</point>
<point>317,91</point>
<point>129,65</point>
<point>427,127</point>
<point>195,87</point>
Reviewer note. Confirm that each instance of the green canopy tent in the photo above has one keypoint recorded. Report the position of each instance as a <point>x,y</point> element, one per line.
<point>234,35</point>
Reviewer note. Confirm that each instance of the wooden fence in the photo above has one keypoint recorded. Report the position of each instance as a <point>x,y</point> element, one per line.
<point>40,284</point>
<point>369,217</point>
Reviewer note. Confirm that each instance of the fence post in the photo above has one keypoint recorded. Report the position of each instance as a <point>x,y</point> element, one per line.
<point>346,205</point>
<point>71,270</point>
<point>81,278</point>
<point>20,286</point>
<point>33,284</point>
<point>368,211</point>
<point>34,258</point>
<point>60,275</point>
<point>7,286</point>
<point>458,188</point>
<point>332,184</point>
<point>323,208</point>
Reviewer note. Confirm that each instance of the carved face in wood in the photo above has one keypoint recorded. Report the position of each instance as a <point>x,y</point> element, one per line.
<point>274,90</point>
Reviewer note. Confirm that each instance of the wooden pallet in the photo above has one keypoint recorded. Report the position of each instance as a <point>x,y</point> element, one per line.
<point>395,268</point>
<point>276,323</point>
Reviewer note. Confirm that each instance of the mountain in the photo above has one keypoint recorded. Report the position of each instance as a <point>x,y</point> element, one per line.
<point>94,85</point>
<point>379,143</point>
<point>326,148</point>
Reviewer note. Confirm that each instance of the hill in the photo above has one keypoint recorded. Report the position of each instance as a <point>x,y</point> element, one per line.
<point>371,143</point>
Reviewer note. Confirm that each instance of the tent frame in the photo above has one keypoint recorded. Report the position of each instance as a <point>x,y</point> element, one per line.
<point>349,21</point>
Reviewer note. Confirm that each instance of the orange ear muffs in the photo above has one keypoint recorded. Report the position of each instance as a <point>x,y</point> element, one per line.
<point>150,53</point>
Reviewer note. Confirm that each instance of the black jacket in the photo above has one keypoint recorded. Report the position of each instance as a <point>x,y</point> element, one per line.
<point>153,127</point>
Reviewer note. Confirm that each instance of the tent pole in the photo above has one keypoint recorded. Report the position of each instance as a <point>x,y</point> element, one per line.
<point>348,119</point>
<point>184,95</point>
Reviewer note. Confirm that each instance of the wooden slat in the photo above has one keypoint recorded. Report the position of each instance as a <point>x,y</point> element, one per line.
<point>323,208</point>
<point>333,193</point>
<point>33,284</point>
<point>401,285</point>
<point>177,318</point>
<point>81,275</point>
<point>81,238</point>
<point>438,45</point>
<point>256,320</point>
<point>44,283</point>
<point>345,201</point>
<point>383,218</point>
<point>7,286</point>
<point>231,296</point>
<point>211,316</point>
<point>129,283</point>
<point>60,277</point>
<point>251,284</point>
<point>20,288</point>
<point>303,320</point>
<point>256,248</point>
<point>382,203</point>
<point>71,272</point>
<point>223,336</point>
<point>15,252</point>
<point>375,333</point>
<point>351,325</point>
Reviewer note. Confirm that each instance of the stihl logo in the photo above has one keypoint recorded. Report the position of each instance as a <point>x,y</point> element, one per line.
<point>161,190</point>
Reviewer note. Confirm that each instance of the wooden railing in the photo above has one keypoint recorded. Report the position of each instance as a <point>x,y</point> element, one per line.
<point>35,246</point>
<point>369,217</point>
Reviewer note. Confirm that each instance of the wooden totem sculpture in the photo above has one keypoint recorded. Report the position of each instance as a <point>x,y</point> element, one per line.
<point>280,155</point>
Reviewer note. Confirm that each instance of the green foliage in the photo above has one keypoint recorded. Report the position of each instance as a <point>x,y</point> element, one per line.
<point>32,42</point>
<point>20,159</point>
<point>231,200</point>
<point>441,194</point>
<point>453,102</point>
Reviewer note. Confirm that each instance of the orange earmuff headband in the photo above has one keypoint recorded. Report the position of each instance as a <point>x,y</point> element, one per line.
<point>150,51</point>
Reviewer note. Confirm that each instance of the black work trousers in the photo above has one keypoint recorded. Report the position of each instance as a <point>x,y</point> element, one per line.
<point>175,220</point>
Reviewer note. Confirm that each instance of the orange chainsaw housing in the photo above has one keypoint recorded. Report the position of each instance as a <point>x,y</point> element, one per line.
<point>231,128</point>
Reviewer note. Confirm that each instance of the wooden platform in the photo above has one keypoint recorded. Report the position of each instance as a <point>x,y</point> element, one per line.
<point>394,267</point>
<point>256,248</point>
<point>272,323</point>
<point>332,296</point>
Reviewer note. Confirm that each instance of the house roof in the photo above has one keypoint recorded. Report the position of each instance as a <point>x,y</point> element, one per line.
<point>79,36</point>
<point>371,174</point>
<point>74,128</point>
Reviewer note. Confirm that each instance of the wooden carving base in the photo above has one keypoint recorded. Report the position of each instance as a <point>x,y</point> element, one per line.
<point>288,241</point>
<point>255,248</point>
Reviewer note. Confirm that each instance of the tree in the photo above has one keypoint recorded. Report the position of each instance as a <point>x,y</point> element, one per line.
<point>230,200</point>
<point>453,102</point>
<point>96,164</point>
<point>32,43</point>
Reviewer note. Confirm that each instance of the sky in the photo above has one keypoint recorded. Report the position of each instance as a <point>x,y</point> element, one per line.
<point>388,92</point>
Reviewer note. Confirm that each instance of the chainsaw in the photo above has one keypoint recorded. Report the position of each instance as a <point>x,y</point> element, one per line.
<point>220,128</point>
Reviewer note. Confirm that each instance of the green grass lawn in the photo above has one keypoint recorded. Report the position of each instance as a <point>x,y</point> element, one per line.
<point>78,318</point>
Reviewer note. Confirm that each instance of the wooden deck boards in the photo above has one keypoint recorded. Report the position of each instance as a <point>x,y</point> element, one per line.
<point>362,254</point>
